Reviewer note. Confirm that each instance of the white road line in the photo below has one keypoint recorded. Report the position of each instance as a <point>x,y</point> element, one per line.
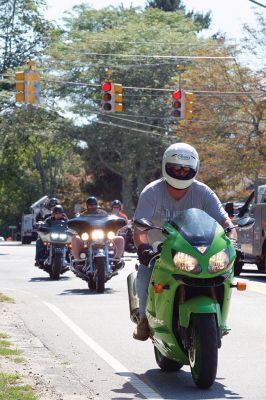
<point>119,368</point>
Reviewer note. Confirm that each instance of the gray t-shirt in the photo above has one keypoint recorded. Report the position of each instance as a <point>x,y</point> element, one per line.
<point>156,205</point>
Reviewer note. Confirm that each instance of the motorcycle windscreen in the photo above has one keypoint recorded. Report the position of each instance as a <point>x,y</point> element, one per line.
<point>196,226</point>
<point>96,221</point>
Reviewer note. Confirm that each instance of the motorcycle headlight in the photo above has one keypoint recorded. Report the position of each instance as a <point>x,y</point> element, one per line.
<point>110,235</point>
<point>218,262</point>
<point>97,234</point>
<point>85,236</point>
<point>63,236</point>
<point>54,236</point>
<point>186,263</point>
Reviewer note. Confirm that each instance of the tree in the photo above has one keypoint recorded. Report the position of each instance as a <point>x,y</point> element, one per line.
<point>203,21</point>
<point>35,159</point>
<point>24,31</point>
<point>128,146</point>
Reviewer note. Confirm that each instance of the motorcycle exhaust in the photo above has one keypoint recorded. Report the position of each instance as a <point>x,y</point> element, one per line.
<point>133,297</point>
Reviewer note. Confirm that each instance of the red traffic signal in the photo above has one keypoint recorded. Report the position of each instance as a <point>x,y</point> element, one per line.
<point>177,94</point>
<point>106,86</point>
<point>107,96</point>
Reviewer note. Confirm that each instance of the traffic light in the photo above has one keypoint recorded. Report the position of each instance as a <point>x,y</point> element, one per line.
<point>188,105</point>
<point>20,95</point>
<point>178,104</point>
<point>32,87</point>
<point>108,101</point>
<point>112,97</point>
<point>28,88</point>
<point>118,90</point>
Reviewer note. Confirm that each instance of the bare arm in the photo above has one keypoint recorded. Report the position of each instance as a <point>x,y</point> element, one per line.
<point>227,223</point>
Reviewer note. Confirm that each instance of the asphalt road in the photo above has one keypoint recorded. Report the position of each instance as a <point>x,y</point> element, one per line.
<point>91,334</point>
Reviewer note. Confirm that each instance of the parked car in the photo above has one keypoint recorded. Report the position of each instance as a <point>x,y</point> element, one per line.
<point>2,238</point>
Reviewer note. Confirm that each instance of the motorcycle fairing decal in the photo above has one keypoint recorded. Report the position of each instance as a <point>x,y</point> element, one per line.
<point>201,249</point>
<point>155,320</point>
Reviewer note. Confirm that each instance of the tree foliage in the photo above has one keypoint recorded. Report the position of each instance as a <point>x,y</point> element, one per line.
<point>129,145</point>
<point>24,32</point>
<point>203,21</point>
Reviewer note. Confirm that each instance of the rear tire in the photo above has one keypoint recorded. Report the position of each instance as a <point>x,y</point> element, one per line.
<point>100,274</point>
<point>166,364</point>
<point>262,265</point>
<point>203,352</point>
<point>56,267</point>
<point>26,240</point>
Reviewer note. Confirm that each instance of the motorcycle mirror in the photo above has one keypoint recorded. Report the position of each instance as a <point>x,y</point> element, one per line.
<point>143,224</point>
<point>246,221</point>
<point>241,223</point>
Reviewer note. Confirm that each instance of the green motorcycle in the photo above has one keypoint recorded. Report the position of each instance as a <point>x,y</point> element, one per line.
<point>189,293</point>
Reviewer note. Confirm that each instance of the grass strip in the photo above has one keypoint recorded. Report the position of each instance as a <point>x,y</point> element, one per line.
<point>5,349</point>
<point>11,390</point>
<point>6,299</point>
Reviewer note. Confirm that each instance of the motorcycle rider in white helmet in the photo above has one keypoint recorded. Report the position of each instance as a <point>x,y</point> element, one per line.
<point>177,190</point>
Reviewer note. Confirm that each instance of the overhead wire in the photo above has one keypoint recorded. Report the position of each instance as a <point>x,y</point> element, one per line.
<point>256,2</point>
<point>208,92</point>
<point>130,128</point>
<point>123,55</point>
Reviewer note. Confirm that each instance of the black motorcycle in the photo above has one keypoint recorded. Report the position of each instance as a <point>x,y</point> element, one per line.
<point>96,232</point>
<point>56,238</point>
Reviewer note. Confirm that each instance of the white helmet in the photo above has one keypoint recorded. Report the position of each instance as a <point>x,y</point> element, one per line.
<point>182,155</point>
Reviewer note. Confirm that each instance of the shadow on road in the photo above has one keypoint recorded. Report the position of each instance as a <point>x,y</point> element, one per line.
<point>46,278</point>
<point>181,383</point>
<point>253,275</point>
<point>87,292</point>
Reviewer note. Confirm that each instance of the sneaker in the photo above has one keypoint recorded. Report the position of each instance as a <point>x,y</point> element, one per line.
<point>142,330</point>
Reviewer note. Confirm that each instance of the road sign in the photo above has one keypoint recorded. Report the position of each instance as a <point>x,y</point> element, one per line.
<point>12,227</point>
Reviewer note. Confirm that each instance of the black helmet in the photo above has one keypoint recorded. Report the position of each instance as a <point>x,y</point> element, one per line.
<point>92,201</point>
<point>58,209</point>
<point>53,201</point>
<point>116,203</point>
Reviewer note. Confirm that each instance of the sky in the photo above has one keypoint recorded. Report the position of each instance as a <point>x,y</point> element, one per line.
<point>227,15</point>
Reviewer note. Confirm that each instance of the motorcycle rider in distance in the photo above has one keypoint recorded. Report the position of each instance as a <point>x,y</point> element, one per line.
<point>177,190</point>
<point>116,209</point>
<point>58,214</point>
<point>52,202</point>
<point>118,241</point>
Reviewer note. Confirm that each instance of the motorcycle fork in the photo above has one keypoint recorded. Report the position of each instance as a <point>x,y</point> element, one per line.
<point>185,333</point>
<point>50,253</point>
<point>91,257</point>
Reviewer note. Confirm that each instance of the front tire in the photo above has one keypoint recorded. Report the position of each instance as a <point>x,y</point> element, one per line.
<point>100,274</point>
<point>203,352</point>
<point>56,267</point>
<point>166,364</point>
<point>91,283</point>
